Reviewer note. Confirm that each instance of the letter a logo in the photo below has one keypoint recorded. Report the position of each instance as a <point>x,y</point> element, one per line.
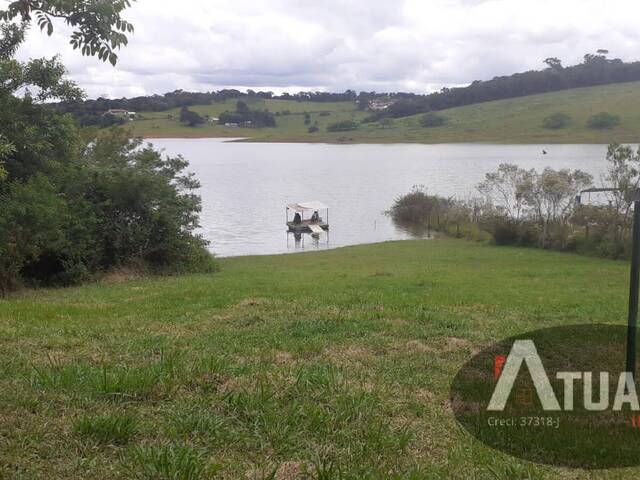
<point>523,351</point>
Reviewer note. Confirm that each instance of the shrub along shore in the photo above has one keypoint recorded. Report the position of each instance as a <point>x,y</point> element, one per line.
<point>529,208</point>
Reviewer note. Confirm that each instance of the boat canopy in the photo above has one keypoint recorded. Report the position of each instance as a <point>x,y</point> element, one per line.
<point>306,206</point>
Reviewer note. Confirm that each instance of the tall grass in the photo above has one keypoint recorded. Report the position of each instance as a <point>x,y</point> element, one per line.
<point>110,429</point>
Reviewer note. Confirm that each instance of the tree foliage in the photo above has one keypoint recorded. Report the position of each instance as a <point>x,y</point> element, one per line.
<point>343,126</point>
<point>74,206</point>
<point>623,176</point>
<point>98,28</point>
<point>244,115</point>
<point>191,118</point>
<point>556,121</point>
<point>143,204</point>
<point>603,120</point>
<point>527,207</point>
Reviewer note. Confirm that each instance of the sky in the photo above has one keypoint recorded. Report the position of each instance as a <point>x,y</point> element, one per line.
<point>334,45</point>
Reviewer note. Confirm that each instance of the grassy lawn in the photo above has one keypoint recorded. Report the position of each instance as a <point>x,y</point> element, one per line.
<point>337,363</point>
<point>505,121</point>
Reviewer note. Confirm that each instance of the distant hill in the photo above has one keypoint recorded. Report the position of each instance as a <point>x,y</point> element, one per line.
<point>518,120</point>
<point>595,70</point>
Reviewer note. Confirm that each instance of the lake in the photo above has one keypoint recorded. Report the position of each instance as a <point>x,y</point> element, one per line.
<point>245,186</point>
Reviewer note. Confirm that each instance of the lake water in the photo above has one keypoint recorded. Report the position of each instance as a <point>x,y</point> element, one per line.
<point>245,186</point>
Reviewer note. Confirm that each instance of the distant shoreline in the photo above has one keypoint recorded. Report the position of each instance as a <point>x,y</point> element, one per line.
<point>377,142</point>
<point>517,121</point>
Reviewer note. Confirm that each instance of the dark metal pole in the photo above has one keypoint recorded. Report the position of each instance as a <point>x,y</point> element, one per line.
<point>634,284</point>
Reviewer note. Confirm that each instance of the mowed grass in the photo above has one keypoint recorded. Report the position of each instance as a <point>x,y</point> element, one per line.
<point>517,120</point>
<point>323,365</point>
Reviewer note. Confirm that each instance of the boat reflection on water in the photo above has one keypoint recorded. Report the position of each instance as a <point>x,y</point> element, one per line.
<point>299,241</point>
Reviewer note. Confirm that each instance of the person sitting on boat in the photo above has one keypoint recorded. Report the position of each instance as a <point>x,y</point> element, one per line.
<point>297,219</point>
<point>315,218</point>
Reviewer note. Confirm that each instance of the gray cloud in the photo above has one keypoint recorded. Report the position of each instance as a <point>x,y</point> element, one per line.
<point>410,45</point>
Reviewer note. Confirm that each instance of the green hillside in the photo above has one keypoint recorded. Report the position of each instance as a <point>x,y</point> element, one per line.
<point>506,121</point>
<point>346,360</point>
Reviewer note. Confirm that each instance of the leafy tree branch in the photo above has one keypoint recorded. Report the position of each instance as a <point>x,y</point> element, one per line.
<point>98,27</point>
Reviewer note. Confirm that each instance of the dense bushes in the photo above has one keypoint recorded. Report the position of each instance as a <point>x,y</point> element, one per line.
<point>418,211</point>
<point>245,116</point>
<point>116,204</point>
<point>603,120</point>
<point>144,204</point>
<point>344,126</point>
<point>191,118</point>
<point>556,121</point>
<point>536,209</point>
<point>431,120</point>
<point>74,207</point>
<point>416,207</point>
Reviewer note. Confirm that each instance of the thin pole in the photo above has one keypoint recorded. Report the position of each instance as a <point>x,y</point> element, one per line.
<point>633,290</point>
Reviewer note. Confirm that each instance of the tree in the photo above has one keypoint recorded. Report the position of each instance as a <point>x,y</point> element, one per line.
<point>603,120</point>
<point>73,206</point>
<point>6,148</point>
<point>506,187</point>
<point>553,63</point>
<point>97,26</point>
<point>551,195</point>
<point>32,222</point>
<point>245,116</point>
<point>242,108</point>
<point>556,121</point>
<point>144,203</point>
<point>344,126</point>
<point>622,175</point>
<point>598,58</point>
<point>191,118</point>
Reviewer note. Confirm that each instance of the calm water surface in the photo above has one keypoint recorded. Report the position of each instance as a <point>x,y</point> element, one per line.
<point>245,186</point>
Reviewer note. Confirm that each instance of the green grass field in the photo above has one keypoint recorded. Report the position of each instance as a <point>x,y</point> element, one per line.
<point>334,363</point>
<point>505,121</point>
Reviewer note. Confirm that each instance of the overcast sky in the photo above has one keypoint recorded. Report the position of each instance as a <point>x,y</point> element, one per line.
<point>334,45</point>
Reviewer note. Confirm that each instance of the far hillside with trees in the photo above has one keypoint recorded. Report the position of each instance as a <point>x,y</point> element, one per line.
<point>503,110</point>
<point>596,69</point>
<point>245,117</point>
